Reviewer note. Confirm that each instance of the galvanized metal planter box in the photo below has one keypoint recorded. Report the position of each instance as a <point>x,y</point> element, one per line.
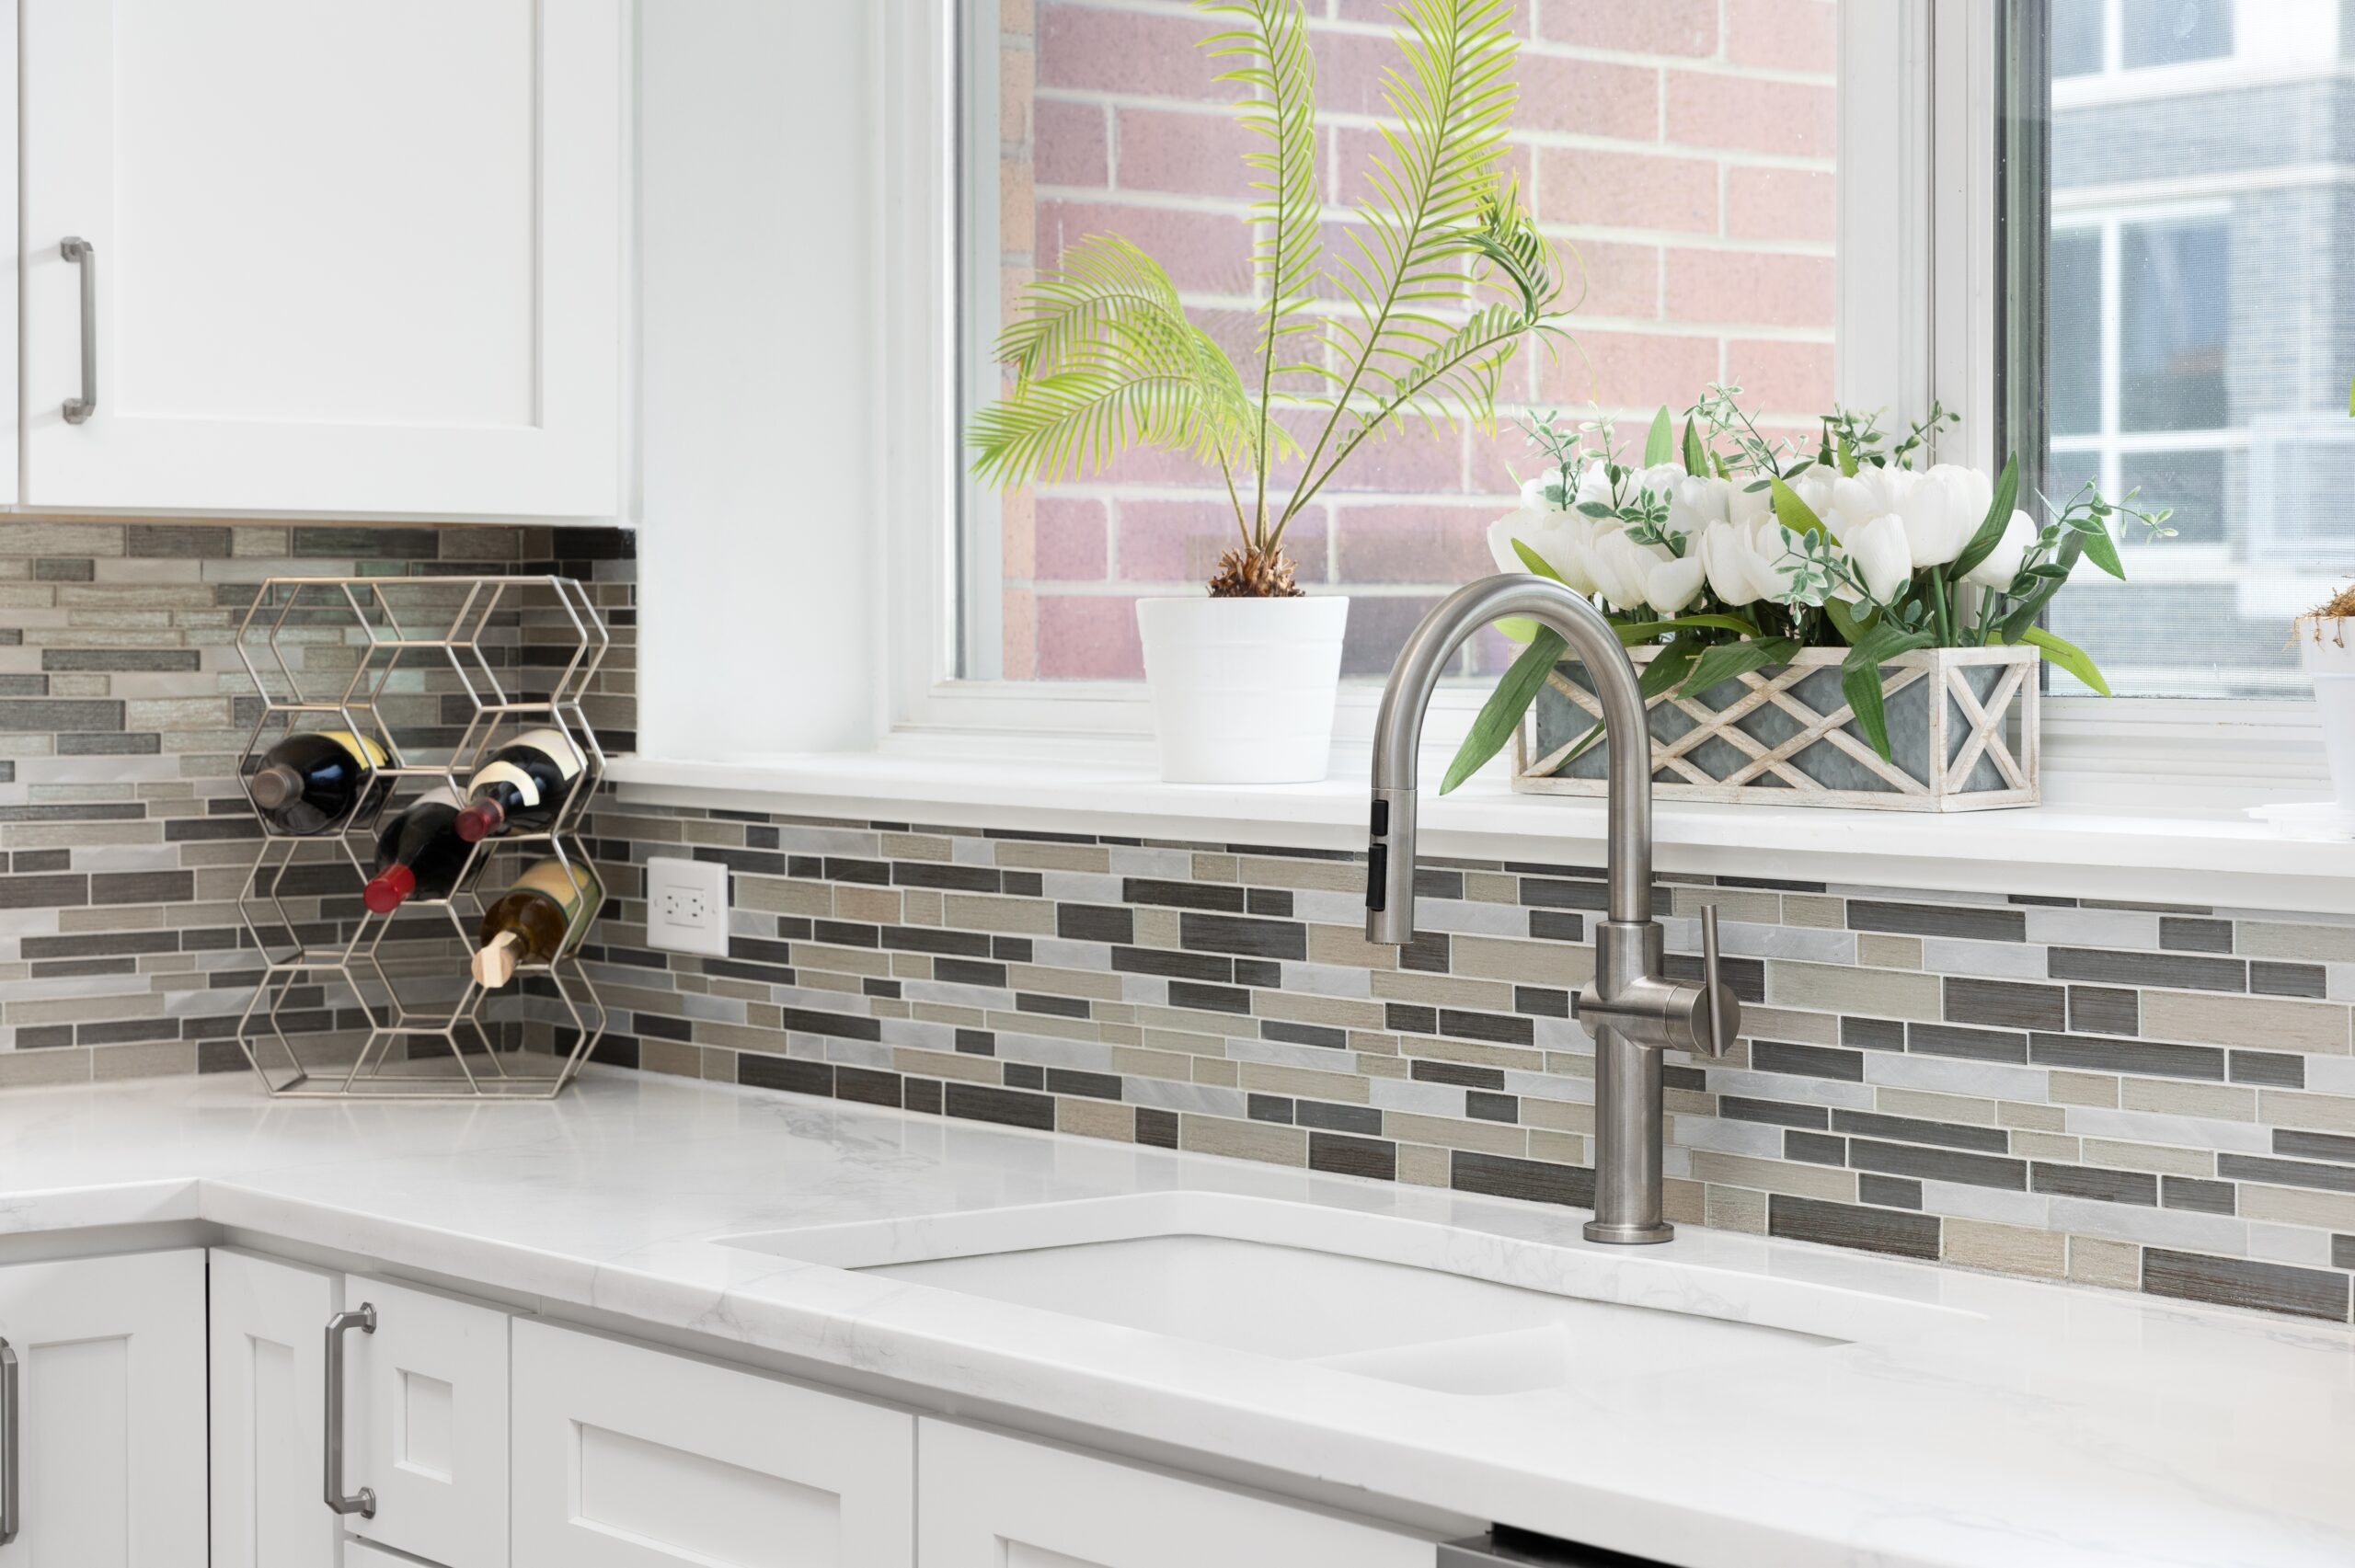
<point>1961,732</point>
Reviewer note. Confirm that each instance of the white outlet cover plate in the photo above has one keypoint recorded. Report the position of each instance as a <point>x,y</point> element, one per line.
<point>686,905</point>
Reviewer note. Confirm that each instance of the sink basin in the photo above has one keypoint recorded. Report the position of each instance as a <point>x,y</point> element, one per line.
<point>1456,1312</point>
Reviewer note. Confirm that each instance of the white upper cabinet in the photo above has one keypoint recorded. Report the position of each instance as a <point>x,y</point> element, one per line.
<point>341,260</point>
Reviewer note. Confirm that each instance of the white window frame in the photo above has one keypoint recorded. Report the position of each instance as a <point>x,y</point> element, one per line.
<point>1916,318</point>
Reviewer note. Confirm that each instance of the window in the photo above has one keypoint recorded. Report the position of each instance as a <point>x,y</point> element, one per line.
<point>1683,151</point>
<point>2198,336</point>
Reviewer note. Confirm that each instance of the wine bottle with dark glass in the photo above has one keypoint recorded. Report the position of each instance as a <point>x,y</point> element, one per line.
<point>419,854</point>
<point>523,787</point>
<point>313,779</point>
<point>537,920</point>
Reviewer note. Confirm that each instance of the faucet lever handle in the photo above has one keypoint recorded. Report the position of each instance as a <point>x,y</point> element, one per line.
<point>1718,1036</point>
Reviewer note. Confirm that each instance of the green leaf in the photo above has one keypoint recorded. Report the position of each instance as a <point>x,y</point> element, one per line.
<point>1696,456</point>
<point>2102,551</point>
<point>1725,660</point>
<point>1667,668</point>
<point>2068,655</point>
<point>1792,512</point>
<point>1500,715</point>
<point>2024,614</point>
<point>1860,678</point>
<point>1843,620</point>
<point>1991,529</point>
<point>1660,445</point>
<point>1634,632</point>
<point>1847,458</point>
<point>1536,562</point>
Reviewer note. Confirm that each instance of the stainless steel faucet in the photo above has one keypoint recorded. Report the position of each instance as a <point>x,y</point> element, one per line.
<point>1632,1011</point>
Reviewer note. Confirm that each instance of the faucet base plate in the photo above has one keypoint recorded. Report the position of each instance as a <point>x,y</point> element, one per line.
<point>1629,1235</point>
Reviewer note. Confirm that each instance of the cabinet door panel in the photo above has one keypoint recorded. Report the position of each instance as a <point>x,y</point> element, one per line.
<point>630,1458</point>
<point>985,1501</point>
<point>426,1424</point>
<point>111,1354</point>
<point>269,1399</point>
<point>350,259</point>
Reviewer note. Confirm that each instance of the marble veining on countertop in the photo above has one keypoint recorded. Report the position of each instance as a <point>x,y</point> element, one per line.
<point>2038,1424</point>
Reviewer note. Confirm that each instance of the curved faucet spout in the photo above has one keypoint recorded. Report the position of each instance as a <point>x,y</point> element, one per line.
<point>1390,874</point>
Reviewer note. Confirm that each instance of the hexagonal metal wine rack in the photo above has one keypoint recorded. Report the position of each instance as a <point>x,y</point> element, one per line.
<point>441,672</point>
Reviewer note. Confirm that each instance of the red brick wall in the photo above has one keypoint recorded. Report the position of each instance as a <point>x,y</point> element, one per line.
<point>1683,148</point>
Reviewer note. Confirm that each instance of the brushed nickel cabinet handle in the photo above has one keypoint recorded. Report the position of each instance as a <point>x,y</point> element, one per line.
<point>362,1502</point>
<point>11,1445</point>
<point>85,255</point>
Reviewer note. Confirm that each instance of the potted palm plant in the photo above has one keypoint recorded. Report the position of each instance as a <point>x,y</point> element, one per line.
<point>1443,278</point>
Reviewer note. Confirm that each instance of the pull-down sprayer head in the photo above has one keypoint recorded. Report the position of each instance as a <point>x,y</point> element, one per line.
<point>1397,731</point>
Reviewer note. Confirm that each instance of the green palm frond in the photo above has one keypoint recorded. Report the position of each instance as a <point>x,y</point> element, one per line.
<point>1105,285</point>
<point>1458,380</point>
<point>1115,364</point>
<point>1431,178</point>
<point>1280,75</point>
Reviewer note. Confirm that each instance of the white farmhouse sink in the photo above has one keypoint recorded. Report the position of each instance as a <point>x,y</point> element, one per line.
<point>1458,1312</point>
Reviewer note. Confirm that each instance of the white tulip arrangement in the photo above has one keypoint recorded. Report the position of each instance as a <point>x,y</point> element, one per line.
<point>1731,552</point>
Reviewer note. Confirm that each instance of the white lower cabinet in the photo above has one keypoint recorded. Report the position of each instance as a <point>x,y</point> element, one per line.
<point>268,1412</point>
<point>485,1437</point>
<point>424,1420</point>
<point>425,1424</point>
<point>985,1501</point>
<point>108,1423</point>
<point>631,1457</point>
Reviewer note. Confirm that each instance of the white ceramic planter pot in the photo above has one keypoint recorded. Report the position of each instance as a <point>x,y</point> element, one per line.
<point>2326,649</point>
<point>1243,689</point>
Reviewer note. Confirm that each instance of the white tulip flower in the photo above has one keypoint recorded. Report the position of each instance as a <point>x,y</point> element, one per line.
<point>1559,538</point>
<point>1882,555</point>
<point>1936,529</point>
<point>1971,493</point>
<point>1857,498</point>
<point>1621,569</point>
<point>1745,561</point>
<point>1671,585</point>
<point>1697,503</point>
<point>2003,563</point>
<point>1746,505</point>
<point>1815,485</point>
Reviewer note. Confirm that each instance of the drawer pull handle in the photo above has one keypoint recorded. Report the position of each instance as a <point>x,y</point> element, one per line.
<point>362,1502</point>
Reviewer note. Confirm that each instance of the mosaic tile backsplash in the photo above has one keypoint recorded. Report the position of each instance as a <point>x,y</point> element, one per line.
<point>2134,1096</point>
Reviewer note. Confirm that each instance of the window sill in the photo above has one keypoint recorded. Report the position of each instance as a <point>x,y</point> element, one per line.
<point>2078,844</point>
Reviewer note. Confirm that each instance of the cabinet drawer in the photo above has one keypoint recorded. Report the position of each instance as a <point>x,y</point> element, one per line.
<point>985,1501</point>
<point>631,1457</point>
<point>425,1423</point>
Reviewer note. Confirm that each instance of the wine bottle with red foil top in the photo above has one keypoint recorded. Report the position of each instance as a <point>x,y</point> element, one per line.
<point>523,787</point>
<point>419,854</point>
<point>316,778</point>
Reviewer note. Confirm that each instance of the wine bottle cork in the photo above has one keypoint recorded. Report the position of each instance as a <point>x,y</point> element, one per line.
<point>494,964</point>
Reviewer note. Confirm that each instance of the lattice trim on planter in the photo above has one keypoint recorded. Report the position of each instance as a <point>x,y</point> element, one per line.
<point>1962,729</point>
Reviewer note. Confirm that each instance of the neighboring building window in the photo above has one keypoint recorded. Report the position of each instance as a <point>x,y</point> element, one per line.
<point>1681,148</point>
<point>2198,334</point>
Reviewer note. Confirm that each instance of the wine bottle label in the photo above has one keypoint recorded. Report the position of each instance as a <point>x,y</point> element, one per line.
<point>507,774</point>
<point>574,890</point>
<point>363,749</point>
<point>558,748</point>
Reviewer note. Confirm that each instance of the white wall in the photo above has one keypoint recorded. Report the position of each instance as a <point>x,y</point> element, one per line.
<point>760,506</point>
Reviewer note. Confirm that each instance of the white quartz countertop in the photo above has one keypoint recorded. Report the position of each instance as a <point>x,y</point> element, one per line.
<point>2035,1425</point>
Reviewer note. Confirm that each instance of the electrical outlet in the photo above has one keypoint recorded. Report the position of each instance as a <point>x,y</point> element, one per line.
<point>686,905</point>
